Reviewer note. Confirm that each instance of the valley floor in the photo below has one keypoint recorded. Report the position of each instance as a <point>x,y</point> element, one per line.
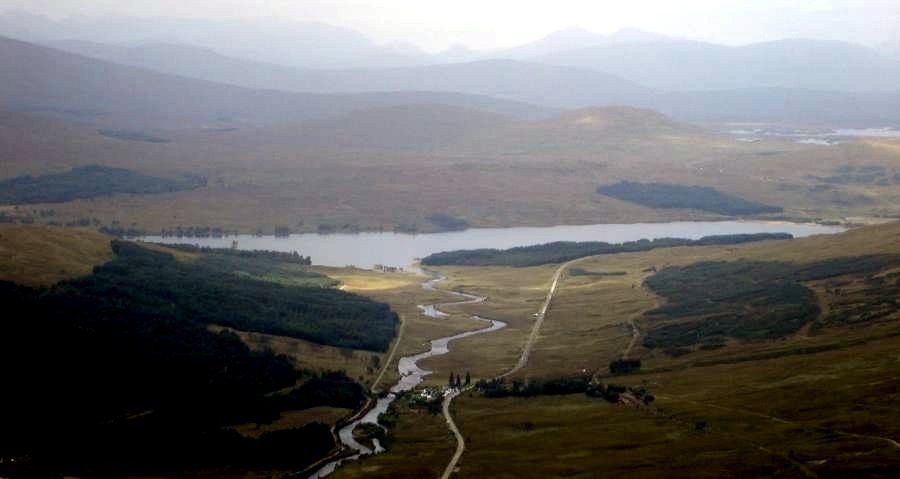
<point>817,403</point>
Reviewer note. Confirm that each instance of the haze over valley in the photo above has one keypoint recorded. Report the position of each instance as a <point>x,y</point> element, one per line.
<point>319,242</point>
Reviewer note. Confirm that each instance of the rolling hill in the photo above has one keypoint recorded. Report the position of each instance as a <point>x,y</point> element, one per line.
<point>750,98</point>
<point>451,131</point>
<point>508,79</point>
<point>810,82</point>
<point>421,128</point>
<point>48,80</point>
<point>294,43</point>
<point>386,167</point>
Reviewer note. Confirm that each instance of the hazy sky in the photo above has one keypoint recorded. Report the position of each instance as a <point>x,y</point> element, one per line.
<point>500,23</point>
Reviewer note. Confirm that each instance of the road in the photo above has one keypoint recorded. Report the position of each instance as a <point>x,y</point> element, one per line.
<point>523,360</point>
<point>390,358</point>
<point>460,443</point>
<point>536,329</point>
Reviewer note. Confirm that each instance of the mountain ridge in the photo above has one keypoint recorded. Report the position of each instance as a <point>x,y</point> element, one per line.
<point>93,90</point>
<point>686,65</point>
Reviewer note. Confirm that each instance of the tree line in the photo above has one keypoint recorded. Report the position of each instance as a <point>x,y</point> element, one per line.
<point>90,181</point>
<point>667,195</point>
<point>751,300</point>
<point>100,380</point>
<point>562,251</point>
<point>558,386</point>
<point>292,257</point>
<point>155,281</point>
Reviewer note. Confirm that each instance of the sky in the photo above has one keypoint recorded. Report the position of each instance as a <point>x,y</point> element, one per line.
<point>487,24</point>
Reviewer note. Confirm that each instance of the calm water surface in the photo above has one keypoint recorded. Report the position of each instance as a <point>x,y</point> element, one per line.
<point>402,249</point>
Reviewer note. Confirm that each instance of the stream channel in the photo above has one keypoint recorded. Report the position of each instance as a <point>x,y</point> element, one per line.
<point>411,375</point>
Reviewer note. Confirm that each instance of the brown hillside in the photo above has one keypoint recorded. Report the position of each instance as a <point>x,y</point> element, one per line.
<point>43,255</point>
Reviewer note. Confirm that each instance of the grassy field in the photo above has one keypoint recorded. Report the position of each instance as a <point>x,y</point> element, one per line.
<point>818,403</point>
<point>821,415</point>
<point>40,256</point>
<point>358,364</point>
<point>419,445</point>
<point>527,174</point>
<point>514,294</point>
<point>295,419</point>
<point>404,293</point>
<point>815,404</point>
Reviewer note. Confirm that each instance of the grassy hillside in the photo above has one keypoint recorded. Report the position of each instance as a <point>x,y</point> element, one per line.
<point>161,386</point>
<point>42,255</point>
<point>759,299</point>
<point>420,128</point>
<point>210,292</point>
<point>409,163</point>
<point>810,402</point>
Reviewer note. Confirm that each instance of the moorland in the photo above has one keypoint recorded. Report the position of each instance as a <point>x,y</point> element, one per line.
<point>725,356</point>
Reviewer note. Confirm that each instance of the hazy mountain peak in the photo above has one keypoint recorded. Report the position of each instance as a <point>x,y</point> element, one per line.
<point>577,38</point>
<point>631,34</point>
<point>23,25</point>
<point>567,39</point>
<point>271,40</point>
<point>685,65</point>
<point>456,53</point>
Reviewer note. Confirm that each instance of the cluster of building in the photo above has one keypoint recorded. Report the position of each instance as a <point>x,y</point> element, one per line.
<point>387,269</point>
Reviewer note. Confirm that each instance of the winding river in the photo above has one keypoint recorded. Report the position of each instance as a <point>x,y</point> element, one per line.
<point>399,249</point>
<point>411,375</point>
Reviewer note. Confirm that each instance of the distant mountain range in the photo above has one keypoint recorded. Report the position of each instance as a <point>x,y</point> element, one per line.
<point>682,65</point>
<point>49,80</point>
<point>647,59</point>
<point>511,81</point>
<point>180,68</point>
<point>296,44</point>
<point>574,39</point>
<point>548,85</point>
